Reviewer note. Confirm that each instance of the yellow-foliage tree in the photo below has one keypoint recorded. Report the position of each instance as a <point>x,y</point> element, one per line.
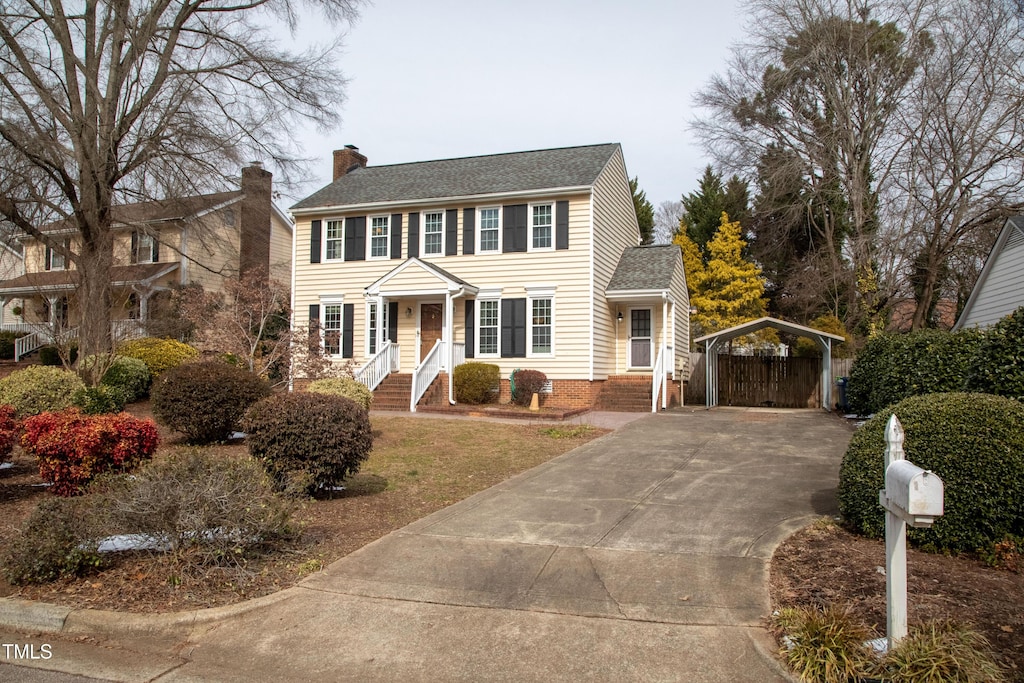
<point>729,289</point>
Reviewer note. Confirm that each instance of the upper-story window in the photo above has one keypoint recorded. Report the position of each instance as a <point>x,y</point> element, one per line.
<point>433,233</point>
<point>379,236</point>
<point>490,229</point>
<point>144,248</point>
<point>541,223</point>
<point>334,246</point>
<point>54,258</point>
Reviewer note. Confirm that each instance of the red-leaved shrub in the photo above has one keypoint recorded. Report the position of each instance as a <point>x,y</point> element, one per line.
<point>73,448</point>
<point>526,383</point>
<point>9,430</point>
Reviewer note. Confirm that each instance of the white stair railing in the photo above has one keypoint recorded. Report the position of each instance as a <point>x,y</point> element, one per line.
<point>659,380</point>
<point>460,354</point>
<point>426,373</point>
<point>29,343</point>
<point>377,368</point>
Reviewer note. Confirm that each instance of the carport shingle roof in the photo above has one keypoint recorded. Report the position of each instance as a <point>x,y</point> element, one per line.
<point>465,177</point>
<point>647,267</point>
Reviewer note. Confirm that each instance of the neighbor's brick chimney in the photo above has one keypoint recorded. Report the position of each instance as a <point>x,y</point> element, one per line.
<point>254,246</point>
<point>347,159</point>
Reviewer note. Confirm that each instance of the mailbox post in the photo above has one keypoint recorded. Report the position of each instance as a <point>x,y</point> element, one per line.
<point>911,496</point>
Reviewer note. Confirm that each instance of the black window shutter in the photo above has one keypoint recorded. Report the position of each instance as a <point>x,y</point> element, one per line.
<point>396,235</point>
<point>314,242</point>
<point>468,228</point>
<point>48,258</point>
<point>393,321</point>
<point>314,326</point>
<point>451,232</point>
<point>470,327</point>
<point>515,228</point>
<point>135,247</point>
<point>347,319</point>
<point>355,238</point>
<point>562,225</point>
<point>513,328</point>
<point>414,235</point>
<point>156,249</point>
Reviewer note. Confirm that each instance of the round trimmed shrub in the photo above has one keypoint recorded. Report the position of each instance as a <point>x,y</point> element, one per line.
<point>55,541</point>
<point>130,375</point>
<point>7,339</point>
<point>526,383</point>
<point>343,386</point>
<point>308,440</point>
<point>159,355</point>
<point>204,401</point>
<point>39,388</point>
<point>892,367</point>
<point>100,400</point>
<point>974,442</point>
<point>477,383</point>
<point>998,365</point>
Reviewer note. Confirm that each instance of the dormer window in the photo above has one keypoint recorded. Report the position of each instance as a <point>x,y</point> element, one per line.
<point>54,259</point>
<point>145,248</point>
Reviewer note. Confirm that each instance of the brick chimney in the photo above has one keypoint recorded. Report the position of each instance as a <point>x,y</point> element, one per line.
<point>346,160</point>
<point>254,245</point>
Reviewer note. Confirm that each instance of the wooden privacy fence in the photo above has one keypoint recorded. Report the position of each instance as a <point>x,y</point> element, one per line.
<point>781,382</point>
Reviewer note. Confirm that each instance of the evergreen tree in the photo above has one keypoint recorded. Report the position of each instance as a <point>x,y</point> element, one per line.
<point>704,208</point>
<point>644,211</point>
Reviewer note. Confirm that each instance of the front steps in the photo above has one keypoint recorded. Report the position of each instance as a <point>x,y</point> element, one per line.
<point>625,394</point>
<point>395,391</point>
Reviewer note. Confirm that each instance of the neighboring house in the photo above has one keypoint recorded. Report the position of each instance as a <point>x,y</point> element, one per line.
<point>12,264</point>
<point>999,290</point>
<point>901,318</point>
<point>158,245</point>
<point>526,260</point>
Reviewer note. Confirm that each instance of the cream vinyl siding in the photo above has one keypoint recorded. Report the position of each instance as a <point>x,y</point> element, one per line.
<point>35,254</point>
<point>682,318</point>
<point>168,236</point>
<point>615,229</point>
<point>566,270</point>
<point>280,250</point>
<point>1002,291</point>
<point>212,249</point>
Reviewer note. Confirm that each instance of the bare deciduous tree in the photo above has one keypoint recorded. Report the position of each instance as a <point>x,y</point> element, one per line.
<point>109,102</point>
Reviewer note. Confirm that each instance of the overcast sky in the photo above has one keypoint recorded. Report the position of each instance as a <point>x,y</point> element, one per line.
<point>436,79</point>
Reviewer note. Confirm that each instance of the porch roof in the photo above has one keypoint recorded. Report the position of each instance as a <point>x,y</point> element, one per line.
<point>646,269</point>
<point>446,281</point>
<point>63,280</point>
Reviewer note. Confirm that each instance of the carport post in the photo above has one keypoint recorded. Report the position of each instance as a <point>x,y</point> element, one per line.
<point>826,374</point>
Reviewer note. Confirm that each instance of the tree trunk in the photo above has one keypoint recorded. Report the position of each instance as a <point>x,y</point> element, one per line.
<point>93,299</point>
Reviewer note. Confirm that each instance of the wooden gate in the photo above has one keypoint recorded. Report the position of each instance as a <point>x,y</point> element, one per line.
<point>770,381</point>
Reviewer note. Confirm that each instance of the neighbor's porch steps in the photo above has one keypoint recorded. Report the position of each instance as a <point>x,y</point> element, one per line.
<point>396,389</point>
<point>625,394</point>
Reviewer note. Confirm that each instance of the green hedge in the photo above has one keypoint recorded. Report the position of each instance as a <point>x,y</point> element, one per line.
<point>998,366</point>
<point>892,367</point>
<point>974,442</point>
<point>477,383</point>
<point>159,355</point>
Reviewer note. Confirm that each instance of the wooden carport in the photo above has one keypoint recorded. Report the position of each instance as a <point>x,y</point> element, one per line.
<point>712,342</point>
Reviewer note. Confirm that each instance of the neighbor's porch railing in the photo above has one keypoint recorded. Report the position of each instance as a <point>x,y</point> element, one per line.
<point>123,330</point>
<point>383,363</point>
<point>659,379</point>
<point>39,335</point>
<point>426,373</point>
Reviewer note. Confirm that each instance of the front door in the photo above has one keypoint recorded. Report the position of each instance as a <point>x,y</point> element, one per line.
<point>431,325</point>
<point>640,346</point>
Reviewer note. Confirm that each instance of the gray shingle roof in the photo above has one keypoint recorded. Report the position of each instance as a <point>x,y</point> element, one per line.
<point>512,172</point>
<point>647,267</point>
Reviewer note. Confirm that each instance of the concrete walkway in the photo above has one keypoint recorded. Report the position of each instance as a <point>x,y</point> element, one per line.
<point>639,556</point>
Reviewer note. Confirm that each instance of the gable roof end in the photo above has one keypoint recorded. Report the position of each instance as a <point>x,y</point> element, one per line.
<point>646,267</point>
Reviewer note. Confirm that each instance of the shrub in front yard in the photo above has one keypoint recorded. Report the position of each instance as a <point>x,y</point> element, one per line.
<point>476,383</point>
<point>306,440</point>
<point>10,431</point>
<point>7,343</point>
<point>343,386</point>
<point>159,355</point>
<point>204,401</point>
<point>827,644</point>
<point>207,510</point>
<point>892,367</point>
<point>37,388</point>
<point>54,542</point>
<point>974,442</point>
<point>940,653</point>
<point>129,375</point>
<point>526,384</point>
<point>73,448</point>
<point>99,400</point>
<point>998,365</point>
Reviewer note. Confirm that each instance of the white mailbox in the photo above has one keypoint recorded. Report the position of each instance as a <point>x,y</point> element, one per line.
<point>914,494</point>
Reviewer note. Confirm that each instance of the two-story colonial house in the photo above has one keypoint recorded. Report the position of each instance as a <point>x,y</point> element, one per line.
<point>200,239</point>
<point>524,260</point>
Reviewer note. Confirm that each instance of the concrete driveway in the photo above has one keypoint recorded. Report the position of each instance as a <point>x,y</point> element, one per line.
<point>639,556</point>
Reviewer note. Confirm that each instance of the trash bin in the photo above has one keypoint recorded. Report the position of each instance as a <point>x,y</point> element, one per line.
<point>841,394</point>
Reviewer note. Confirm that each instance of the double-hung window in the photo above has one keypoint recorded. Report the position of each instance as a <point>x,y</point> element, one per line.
<point>54,258</point>
<point>490,230</point>
<point>334,245</point>
<point>379,236</point>
<point>433,233</point>
<point>541,226</point>
<point>143,248</point>
<point>487,328</point>
<point>540,320</point>
<point>330,326</point>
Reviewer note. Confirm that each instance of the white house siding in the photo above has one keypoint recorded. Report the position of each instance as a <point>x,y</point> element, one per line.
<point>1002,290</point>
<point>566,270</point>
<point>615,228</point>
<point>682,319</point>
